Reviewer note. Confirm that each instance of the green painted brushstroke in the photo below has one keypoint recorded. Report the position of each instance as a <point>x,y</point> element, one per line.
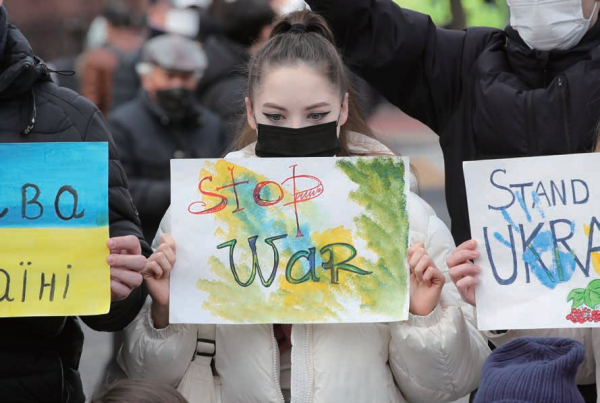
<point>384,225</point>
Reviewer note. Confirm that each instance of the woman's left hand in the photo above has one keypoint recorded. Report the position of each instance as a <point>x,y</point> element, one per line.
<point>426,281</point>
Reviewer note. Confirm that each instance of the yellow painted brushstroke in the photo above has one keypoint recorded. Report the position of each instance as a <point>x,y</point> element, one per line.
<point>595,255</point>
<point>50,251</point>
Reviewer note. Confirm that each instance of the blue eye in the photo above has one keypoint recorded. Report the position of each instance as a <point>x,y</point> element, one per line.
<point>318,116</point>
<point>274,117</point>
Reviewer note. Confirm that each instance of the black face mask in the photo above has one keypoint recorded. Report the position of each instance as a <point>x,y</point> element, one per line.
<point>311,141</point>
<point>176,102</point>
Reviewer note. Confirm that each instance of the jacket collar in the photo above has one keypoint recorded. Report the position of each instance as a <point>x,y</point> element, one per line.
<point>537,68</point>
<point>19,69</point>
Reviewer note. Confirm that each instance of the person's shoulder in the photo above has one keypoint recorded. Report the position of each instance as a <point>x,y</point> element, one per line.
<point>73,105</point>
<point>362,144</point>
<point>124,113</point>
<point>246,152</point>
<point>420,213</point>
<point>210,119</point>
<point>482,37</point>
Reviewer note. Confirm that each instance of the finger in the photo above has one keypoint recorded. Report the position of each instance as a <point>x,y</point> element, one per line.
<point>153,270</point>
<point>169,253</point>
<point>465,269</point>
<point>127,277</point>
<point>471,244</point>
<point>130,262</point>
<point>118,290</point>
<point>414,247</point>
<point>161,259</point>
<point>416,257</point>
<point>428,275</point>
<point>460,256</point>
<point>417,245</point>
<point>422,265</point>
<point>169,240</point>
<point>129,243</point>
<point>465,284</point>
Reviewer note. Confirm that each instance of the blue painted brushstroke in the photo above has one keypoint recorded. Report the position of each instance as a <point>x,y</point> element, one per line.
<point>83,166</point>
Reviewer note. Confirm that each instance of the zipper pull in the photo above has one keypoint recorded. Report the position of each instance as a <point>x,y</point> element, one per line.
<point>560,81</point>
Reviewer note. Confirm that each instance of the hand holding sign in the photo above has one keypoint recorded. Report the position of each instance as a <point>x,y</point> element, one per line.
<point>157,276</point>
<point>426,281</point>
<point>126,264</point>
<point>463,271</point>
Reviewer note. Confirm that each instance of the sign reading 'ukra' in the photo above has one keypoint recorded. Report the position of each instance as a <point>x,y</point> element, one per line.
<point>537,224</point>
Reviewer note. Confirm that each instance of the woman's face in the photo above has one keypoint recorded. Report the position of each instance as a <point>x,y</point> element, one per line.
<point>296,97</point>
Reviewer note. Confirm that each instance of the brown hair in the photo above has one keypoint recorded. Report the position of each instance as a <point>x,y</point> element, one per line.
<point>131,391</point>
<point>314,47</point>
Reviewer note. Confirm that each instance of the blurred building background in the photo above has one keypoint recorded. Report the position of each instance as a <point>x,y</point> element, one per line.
<point>55,28</point>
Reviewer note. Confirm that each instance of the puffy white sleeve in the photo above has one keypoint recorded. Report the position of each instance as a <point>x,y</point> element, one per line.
<point>157,354</point>
<point>437,357</point>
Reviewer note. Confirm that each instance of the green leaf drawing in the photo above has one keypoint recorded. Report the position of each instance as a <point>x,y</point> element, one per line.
<point>594,286</point>
<point>577,296</point>
<point>592,294</point>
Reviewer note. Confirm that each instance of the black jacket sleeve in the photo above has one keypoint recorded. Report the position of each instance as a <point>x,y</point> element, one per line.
<point>401,53</point>
<point>151,196</point>
<point>123,220</point>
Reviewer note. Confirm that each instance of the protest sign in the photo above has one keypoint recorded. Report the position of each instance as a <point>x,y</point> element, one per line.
<point>316,240</point>
<point>53,229</point>
<point>535,220</point>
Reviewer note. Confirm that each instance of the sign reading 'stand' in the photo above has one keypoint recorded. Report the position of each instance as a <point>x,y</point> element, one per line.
<point>536,221</point>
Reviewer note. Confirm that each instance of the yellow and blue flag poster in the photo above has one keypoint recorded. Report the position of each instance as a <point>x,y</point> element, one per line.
<point>53,229</point>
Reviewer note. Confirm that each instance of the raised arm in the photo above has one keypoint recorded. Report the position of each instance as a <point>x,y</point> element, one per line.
<point>401,53</point>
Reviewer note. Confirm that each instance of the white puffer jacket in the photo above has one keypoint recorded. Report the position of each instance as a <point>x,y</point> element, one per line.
<point>435,358</point>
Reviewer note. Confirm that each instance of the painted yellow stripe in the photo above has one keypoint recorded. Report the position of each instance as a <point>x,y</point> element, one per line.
<point>28,256</point>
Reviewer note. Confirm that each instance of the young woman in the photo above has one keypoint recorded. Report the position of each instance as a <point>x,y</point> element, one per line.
<point>300,104</point>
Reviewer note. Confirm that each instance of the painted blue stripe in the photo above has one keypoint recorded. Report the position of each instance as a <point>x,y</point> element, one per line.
<point>51,166</point>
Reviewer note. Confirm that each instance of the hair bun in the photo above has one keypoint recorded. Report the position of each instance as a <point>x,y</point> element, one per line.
<point>303,21</point>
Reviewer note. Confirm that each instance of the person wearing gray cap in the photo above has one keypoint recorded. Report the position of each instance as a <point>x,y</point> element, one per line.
<point>164,122</point>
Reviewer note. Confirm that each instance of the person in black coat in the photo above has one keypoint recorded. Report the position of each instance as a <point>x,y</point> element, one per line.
<point>484,91</point>
<point>244,25</point>
<point>39,357</point>
<point>164,122</point>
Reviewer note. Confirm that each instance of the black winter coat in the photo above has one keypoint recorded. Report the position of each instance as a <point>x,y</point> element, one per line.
<point>483,91</point>
<point>222,88</point>
<point>147,141</point>
<point>39,357</point>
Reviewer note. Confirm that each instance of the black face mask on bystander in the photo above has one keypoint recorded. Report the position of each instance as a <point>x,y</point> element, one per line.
<point>311,141</point>
<point>176,102</point>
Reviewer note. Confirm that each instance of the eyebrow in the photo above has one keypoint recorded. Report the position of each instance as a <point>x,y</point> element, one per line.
<point>319,105</point>
<point>269,105</point>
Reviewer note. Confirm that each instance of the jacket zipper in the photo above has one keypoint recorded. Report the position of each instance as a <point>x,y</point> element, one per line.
<point>563,97</point>
<point>276,373</point>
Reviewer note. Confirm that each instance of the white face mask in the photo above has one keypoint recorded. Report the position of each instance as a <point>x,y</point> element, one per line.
<point>549,24</point>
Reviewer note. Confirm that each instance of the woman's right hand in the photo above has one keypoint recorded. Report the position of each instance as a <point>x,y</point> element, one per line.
<point>157,277</point>
<point>463,272</point>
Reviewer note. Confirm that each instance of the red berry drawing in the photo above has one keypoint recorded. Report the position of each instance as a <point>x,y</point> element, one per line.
<point>584,303</point>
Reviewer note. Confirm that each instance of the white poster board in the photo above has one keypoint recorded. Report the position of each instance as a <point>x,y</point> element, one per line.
<point>536,224</point>
<point>313,240</point>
